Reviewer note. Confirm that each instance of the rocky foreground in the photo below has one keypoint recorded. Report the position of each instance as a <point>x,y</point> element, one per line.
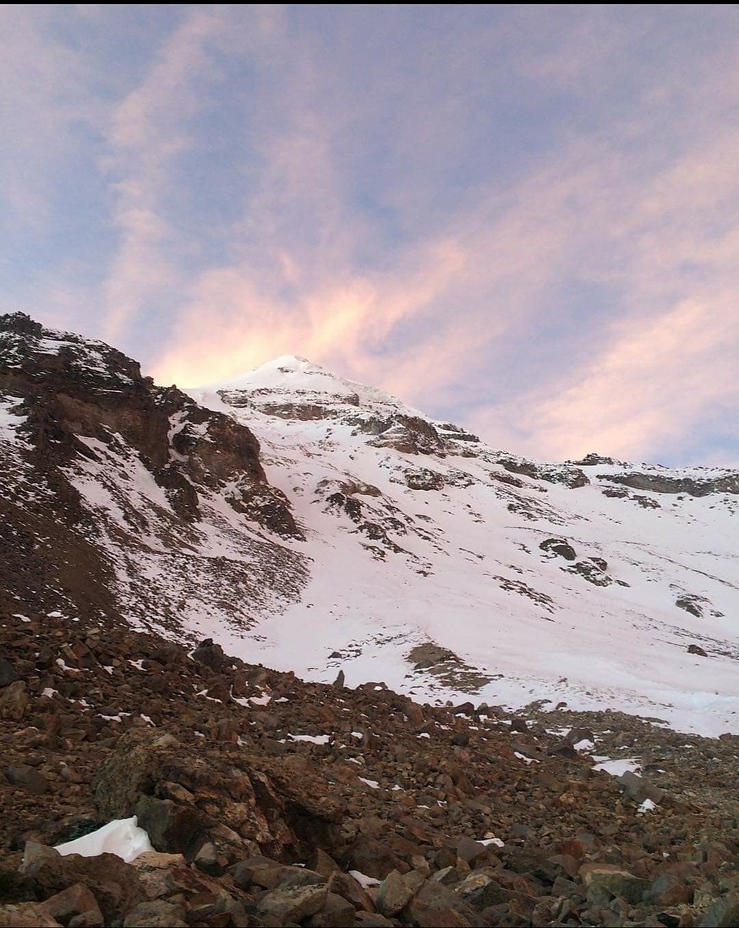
<point>261,794</point>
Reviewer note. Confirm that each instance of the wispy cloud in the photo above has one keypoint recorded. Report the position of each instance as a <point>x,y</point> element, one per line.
<point>148,132</point>
<point>521,218</point>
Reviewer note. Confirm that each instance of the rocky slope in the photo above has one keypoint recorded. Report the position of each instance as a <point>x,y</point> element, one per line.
<point>126,501</point>
<point>261,792</point>
<point>319,525</point>
<point>596,582</point>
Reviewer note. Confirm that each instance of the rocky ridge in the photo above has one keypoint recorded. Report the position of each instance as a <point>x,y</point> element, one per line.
<point>261,793</point>
<point>123,498</point>
<point>294,505</point>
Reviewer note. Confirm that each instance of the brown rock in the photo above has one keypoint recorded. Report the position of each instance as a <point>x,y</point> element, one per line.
<point>344,885</point>
<point>374,858</point>
<point>262,872</point>
<point>292,904</point>
<point>156,914</point>
<point>114,883</point>
<point>14,702</point>
<point>154,871</point>
<point>436,905</point>
<point>396,891</point>
<point>27,915</point>
<point>322,862</point>
<point>46,869</point>
<point>372,920</point>
<point>27,778</point>
<point>76,900</point>
<point>613,881</point>
<point>337,912</point>
<point>469,850</point>
<point>670,889</point>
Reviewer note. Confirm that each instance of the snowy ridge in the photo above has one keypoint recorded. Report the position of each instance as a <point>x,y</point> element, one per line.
<point>131,501</point>
<point>583,583</point>
<point>317,525</point>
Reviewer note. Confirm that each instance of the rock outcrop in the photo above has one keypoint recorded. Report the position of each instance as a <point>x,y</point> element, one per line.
<point>115,483</point>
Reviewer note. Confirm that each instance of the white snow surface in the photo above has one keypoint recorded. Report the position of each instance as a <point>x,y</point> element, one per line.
<point>459,564</point>
<point>121,837</point>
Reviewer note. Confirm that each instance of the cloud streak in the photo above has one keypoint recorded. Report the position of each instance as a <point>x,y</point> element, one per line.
<point>523,219</point>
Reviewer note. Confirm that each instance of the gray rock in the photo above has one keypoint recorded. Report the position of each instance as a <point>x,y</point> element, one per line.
<point>478,890</point>
<point>172,828</point>
<point>292,904</point>
<point>723,913</point>
<point>396,891</point>
<point>156,914</point>
<point>336,913</point>
<point>435,904</point>
<point>8,673</point>
<point>612,880</point>
<point>639,789</point>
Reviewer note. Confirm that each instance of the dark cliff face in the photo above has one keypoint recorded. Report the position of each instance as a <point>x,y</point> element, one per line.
<point>665,483</point>
<point>81,400</point>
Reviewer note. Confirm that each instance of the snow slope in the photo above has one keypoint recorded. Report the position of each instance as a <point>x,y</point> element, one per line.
<point>422,537</point>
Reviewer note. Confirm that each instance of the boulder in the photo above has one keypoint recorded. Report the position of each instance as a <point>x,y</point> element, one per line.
<point>27,915</point>
<point>609,880</point>
<point>292,904</point>
<point>14,701</point>
<point>396,891</point>
<point>435,904</point>
<point>78,903</point>
<point>156,914</point>
<point>8,673</point>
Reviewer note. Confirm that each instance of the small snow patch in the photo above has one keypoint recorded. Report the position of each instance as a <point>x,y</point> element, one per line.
<point>371,783</point>
<point>618,767</point>
<point>259,700</point>
<point>314,739</point>
<point>364,880</point>
<point>121,837</point>
<point>496,841</point>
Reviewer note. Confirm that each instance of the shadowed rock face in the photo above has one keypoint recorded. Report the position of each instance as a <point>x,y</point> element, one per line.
<point>83,403</point>
<point>726,483</point>
<point>88,390</point>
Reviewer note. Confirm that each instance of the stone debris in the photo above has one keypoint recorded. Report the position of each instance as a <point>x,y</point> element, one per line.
<point>253,788</point>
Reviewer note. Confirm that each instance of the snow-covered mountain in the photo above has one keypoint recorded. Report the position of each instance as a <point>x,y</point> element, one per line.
<point>321,526</point>
<point>439,563</point>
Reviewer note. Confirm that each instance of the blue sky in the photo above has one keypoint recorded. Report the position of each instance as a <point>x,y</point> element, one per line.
<point>521,218</point>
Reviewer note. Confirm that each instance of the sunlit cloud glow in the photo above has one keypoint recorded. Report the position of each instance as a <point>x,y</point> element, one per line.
<point>524,219</point>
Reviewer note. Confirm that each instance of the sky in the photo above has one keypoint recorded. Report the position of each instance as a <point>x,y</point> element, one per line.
<point>523,219</point>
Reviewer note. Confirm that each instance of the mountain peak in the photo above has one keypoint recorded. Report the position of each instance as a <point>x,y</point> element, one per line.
<point>292,387</point>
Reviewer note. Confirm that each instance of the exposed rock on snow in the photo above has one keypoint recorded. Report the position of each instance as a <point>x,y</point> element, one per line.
<point>294,516</point>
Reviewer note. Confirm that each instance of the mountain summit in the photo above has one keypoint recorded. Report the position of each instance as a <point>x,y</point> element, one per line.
<point>442,565</point>
<point>321,526</point>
